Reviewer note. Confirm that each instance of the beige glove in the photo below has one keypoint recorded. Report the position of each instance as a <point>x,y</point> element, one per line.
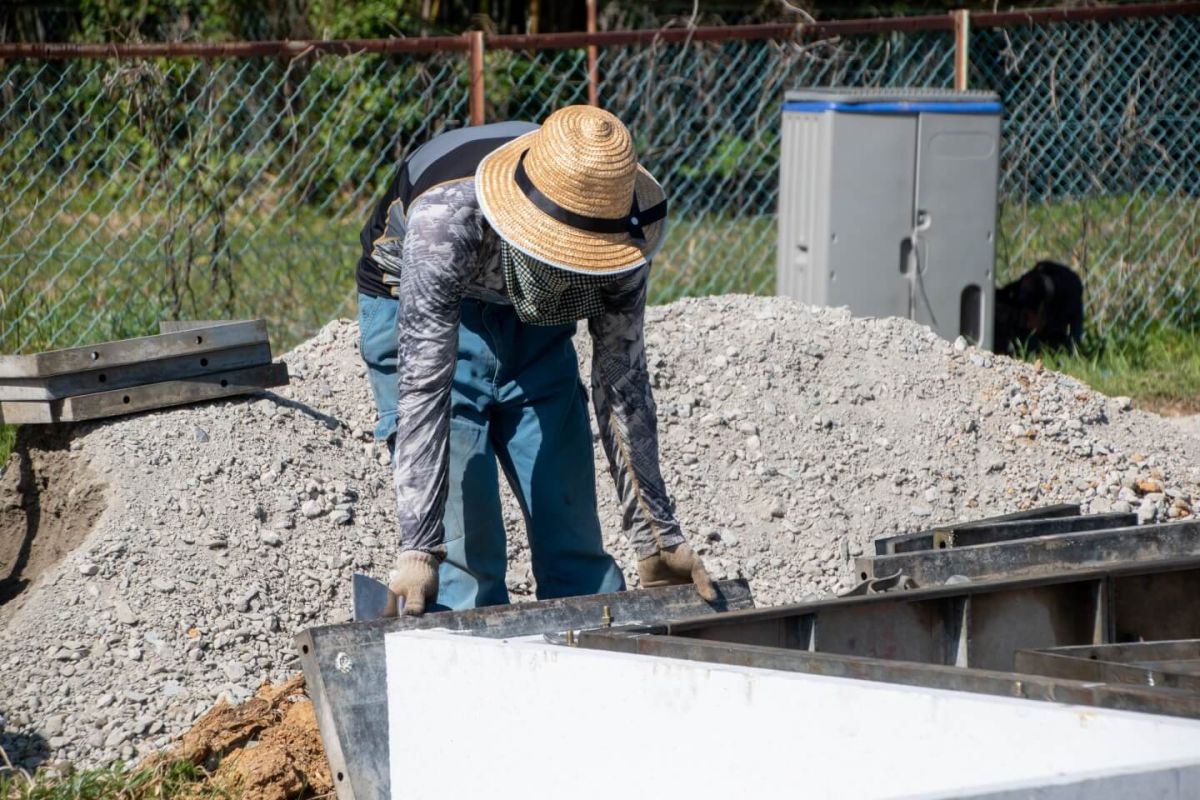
<point>415,579</point>
<point>677,565</point>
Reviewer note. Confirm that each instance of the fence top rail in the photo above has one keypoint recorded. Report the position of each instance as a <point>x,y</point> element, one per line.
<point>285,49</point>
<point>555,41</point>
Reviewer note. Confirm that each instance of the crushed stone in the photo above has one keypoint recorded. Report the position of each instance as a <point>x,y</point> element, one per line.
<point>790,436</point>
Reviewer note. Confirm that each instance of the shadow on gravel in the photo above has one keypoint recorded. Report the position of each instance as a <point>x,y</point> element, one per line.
<point>25,751</point>
<point>48,504</point>
<point>304,408</point>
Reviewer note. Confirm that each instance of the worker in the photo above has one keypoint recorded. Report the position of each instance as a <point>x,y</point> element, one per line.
<point>490,244</point>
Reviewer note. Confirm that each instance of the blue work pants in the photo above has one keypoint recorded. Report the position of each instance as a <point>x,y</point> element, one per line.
<point>517,400</point>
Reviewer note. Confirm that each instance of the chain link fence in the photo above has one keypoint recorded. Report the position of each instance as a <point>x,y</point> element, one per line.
<point>191,188</point>
<point>149,188</point>
<point>1101,166</point>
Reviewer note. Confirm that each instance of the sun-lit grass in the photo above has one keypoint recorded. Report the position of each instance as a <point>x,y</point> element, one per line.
<point>179,781</point>
<point>1159,369</point>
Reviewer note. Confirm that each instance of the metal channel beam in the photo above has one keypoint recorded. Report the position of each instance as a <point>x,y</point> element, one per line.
<point>132,351</point>
<point>1170,702</point>
<point>925,540</point>
<point>346,674</point>
<point>997,532</point>
<point>1044,555</point>
<point>57,387</point>
<point>176,325</point>
<point>980,625</point>
<point>964,637</point>
<point>1057,664</point>
<point>146,397</point>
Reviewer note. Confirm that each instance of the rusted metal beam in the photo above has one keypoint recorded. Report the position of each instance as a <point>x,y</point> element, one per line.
<point>282,49</point>
<point>933,676</point>
<point>476,86</point>
<point>592,57</point>
<point>132,351</point>
<point>1047,16</point>
<point>962,45</point>
<point>967,637</point>
<point>1009,530</point>
<point>148,397</point>
<point>1041,555</point>
<point>552,41</point>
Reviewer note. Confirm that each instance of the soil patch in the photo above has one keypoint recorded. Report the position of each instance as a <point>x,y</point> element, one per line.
<point>267,748</point>
<point>49,502</point>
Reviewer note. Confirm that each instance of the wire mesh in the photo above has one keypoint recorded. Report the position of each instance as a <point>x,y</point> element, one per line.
<point>145,189</point>
<point>156,188</point>
<point>1100,163</point>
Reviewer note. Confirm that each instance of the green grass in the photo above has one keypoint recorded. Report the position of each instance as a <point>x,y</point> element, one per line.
<point>1159,369</point>
<point>1138,254</point>
<point>179,780</point>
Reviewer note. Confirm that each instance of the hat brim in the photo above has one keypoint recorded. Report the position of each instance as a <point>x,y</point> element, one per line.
<point>526,227</point>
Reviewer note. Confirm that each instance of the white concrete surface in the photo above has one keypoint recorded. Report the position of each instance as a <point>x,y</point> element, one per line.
<point>491,718</point>
<point>1177,781</point>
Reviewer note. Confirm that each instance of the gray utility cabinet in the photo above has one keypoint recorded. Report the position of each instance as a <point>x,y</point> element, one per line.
<point>887,204</point>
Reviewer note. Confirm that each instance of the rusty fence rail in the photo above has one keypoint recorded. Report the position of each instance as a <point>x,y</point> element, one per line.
<point>150,181</point>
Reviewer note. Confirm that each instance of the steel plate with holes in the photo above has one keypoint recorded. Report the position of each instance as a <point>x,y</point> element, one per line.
<point>57,387</point>
<point>966,637</point>
<point>146,397</point>
<point>346,675</point>
<point>131,351</point>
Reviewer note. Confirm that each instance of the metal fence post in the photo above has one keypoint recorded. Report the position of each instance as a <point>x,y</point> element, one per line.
<point>475,40</point>
<point>962,44</point>
<point>592,53</point>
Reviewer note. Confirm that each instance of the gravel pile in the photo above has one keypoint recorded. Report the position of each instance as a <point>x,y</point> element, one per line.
<point>791,437</point>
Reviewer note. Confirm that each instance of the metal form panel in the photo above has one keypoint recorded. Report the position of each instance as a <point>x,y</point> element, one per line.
<point>345,670</point>
<point>132,351</point>
<point>1042,555</point>
<point>1169,664</point>
<point>146,397</point>
<point>930,539</point>
<point>964,637</point>
<point>57,387</point>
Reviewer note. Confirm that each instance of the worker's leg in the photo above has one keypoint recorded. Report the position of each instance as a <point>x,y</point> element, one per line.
<point>473,573</point>
<point>377,345</point>
<point>544,442</point>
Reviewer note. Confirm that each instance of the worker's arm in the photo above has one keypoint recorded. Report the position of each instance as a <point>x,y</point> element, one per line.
<point>439,253</point>
<point>626,415</point>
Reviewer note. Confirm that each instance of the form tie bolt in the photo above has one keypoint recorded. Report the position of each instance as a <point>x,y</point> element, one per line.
<point>606,618</point>
<point>570,638</point>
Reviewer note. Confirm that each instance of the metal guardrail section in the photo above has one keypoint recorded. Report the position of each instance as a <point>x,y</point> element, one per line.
<point>346,675</point>
<point>187,362</point>
<point>1041,554</point>
<point>963,637</point>
<point>187,342</point>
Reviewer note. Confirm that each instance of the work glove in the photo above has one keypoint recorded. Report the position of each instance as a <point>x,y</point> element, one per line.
<point>415,581</point>
<point>677,565</point>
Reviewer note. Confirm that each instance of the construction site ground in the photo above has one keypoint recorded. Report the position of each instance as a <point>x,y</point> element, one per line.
<point>161,563</point>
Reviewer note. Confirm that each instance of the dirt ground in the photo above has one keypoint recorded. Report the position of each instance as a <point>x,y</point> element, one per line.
<point>267,748</point>
<point>49,501</point>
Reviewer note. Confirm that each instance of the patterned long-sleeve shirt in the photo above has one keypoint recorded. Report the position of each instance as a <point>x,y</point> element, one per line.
<point>447,253</point>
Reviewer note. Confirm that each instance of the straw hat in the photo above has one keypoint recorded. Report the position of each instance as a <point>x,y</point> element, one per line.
<point>564,194</point>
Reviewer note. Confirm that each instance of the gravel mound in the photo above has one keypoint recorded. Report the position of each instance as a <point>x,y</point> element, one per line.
<point>791,437</point>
